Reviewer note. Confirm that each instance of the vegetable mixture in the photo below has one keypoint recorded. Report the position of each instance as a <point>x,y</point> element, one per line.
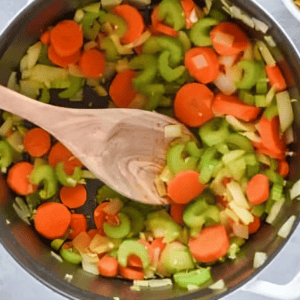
<point>193,63</point>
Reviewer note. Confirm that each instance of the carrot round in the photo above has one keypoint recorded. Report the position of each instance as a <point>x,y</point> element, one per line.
<point>203,64</point>
<point>78,224</point>
<point>134,21</point>
<point>62,61</point>
<point>45,37</point>
<point>18,178</point>
<point>232,105</point>
<point>121,89</point>
<point>159,27</point>
<point>258,189</point>
<point>37,142</point>
<point>228,38</point>
<point>99,217</point>
<point>270,135</point>
<point>131,273</point>
<point>283,167</point>
<point>134,261</point>
<point>184,187</point>
<point>188,7</point>
<point>92,233</point>
<point>59,153</point>
<point>156,248</point>
<point>192,104</point>
<point>73,197</point>
<point>108,266</point>
<point>276,78</point>
<point>66,37</point>
<point>92,63</point>
<point>254,226</point>
<point>176,212</point>
<point>211,244</point>
<point>52,220</point>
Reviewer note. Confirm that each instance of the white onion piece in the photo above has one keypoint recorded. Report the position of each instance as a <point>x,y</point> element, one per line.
<point>295,190</point>
<point>289,136</point>
<point>33,54</point>
<point>237,194</point>
<point>235,73</point>
<point>266,54</point>
<point>225,84</point>
<point>199,61</point>
<point>245,216</point>
<point>286,227</point>
<point>275,210</point>
<point>90,268</point>
<point>239,125</point>
<point>173,131</point>
<point>259,259</point>
<point>218,285</point>
<point>232,215</point>
<point>285,110</point>
<point>227,60</point>
<point>224,38</point>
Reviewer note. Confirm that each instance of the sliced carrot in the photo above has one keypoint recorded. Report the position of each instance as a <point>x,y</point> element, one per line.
<point>92,63</point>
<point>81,242</point>
<point>258,189</point>
<point>228,38</point>
<point>211,244</point>
<point>157,246</point>
<point>232,105</point>
<point>203,64</point>
<point>185,186</point>
<point>45,37</point>
<point>188,7</point>
<point>99,217</point>
<point>283,168</point>
<point>78,224</point>
<point>59,153</point>
<point>276,78</point>
<point>274,154</point>
<point>108,266</point>
<point>67,245</point>
<point>270,135</point>
<point>148,247</point>
<point>134,21</point>
<point>73,197</point>
<point>134,261</point>
<point>92,233</point>
<point>121,89</point>
<point>66,37</point>
<point>37,142</point>
<point>193,104</point>
<point>159,27</point>
<point>176,212</point>
<point>52,220</point>
<point>18,178</point>
<point>254,226</point>
<point>62,61</point>
<point>131,273</point>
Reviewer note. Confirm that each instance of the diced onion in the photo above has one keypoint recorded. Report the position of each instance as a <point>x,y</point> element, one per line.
<point>225,84</point>
<point>56,256</point>
<point>138,101</point>
<point>160,282</point>
<point>269,39</point>
<point>218,285</point>
<point>224,38</point>
<point>270,95</point>
<point>232,155</point>
<point>120,48</point>
<point>259,259</point>
<point>199,61</point>
<point>161,187</point>
<point>248,53</point>
<point>289,136</point>
<point>173,131</point>
<point>245,216</point>
<point>193,16</point>
<point>252,136</point>
<point>260,26</point>
<point>33,54</point>
<point>192,287</point>
<point>68,277</point>
<point>122,65</point>
<point>275,210</point>
<point>232,215</point>
<point>240,230</point>
<point>90,268</point>
<point>6,126</point>
<point>239,125</point>
<point>286,227</point>
<point>139,41</point>
<point>13,82</point>
<point>237,194</point>
<point>78,16</point>
<point>101,91</point>
<point>285,110</point>
<point>227,60</point>
<point>24,63</point>
<point>266,54</point>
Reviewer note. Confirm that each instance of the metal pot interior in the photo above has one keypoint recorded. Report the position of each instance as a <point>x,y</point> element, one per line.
<point>33,254</point>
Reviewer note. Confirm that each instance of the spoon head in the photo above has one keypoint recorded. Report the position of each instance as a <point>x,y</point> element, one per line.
<point>134,154</point>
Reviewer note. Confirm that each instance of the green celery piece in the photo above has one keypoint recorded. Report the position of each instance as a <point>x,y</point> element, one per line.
<point>260,100</point>
<point>269,204</point>
<point>151,46</point>
<point>65,179</point>
<point>136,220</point>
<point>172,10</point>
<point>174,46</point>
<point>222,148</point>
<point>209,169</point>
<point>154,92</point>
<point>118,23</point>
<point>276,192</point>
<point>232,155</point>
<point>238,141</point>
<point>200,278</point>
<point>43,58</point>
<point>214,131</point>
<point>273,164</point>
<point>165,111</point>
<point>199,33</point>
<point>238,241</point>
<point>176,257</point>
<point>70,256</point>
<point>208,154</point>
<point>237,168</point>
<point>271,111</point>
<point>218,14</point>
<point>45,174</point>
<point>273,176</point>
<point>147,64</point>
<point>45,96</point>
<point>176,162</point>
<point>6,155</point>
<point>56,244</point>
<point>261,86</point>
<point>252,72</point>
<point>168,73</point>
<point>252,170</point>
<point>76,85</point>
<point>246,97</point>
<point>251,159</point>
<point>184,40</point>
<point>258,210</point>
<point>193,150</point>
<point>118,232</point>
<point>111,52</point>
<point>129,247</point>
<point>90,25</point>
<point>161,224</point>
<point>105,193</point>
<point>165,102</point>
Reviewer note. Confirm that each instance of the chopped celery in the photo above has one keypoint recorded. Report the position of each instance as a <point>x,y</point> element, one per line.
<point>232,155</point>
<point>200,278</point>
<point>238,141</point>
<point>276,192</point>
<point>246,97</point>
<point>193,150</point>
<point>260,100</point>
<point>120,231</point>
<point>90,25</point>
<point>111,52</point>
<point>136,220</point>
<point>76,85</point>
<point>30,88</point>
<point>45,96</point>
<point>237,168</point>
<point>185,41</point>
<point>119,25</point>
<point>258,210</point>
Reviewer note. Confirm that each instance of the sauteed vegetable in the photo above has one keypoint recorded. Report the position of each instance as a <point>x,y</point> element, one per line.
<point>193,63</point>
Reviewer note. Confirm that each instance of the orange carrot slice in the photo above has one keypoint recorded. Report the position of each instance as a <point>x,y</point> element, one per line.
<point>73,197</point>
<point>258,189</point>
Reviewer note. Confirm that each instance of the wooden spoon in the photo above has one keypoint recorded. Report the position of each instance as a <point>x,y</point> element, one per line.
<point>125,148</point>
